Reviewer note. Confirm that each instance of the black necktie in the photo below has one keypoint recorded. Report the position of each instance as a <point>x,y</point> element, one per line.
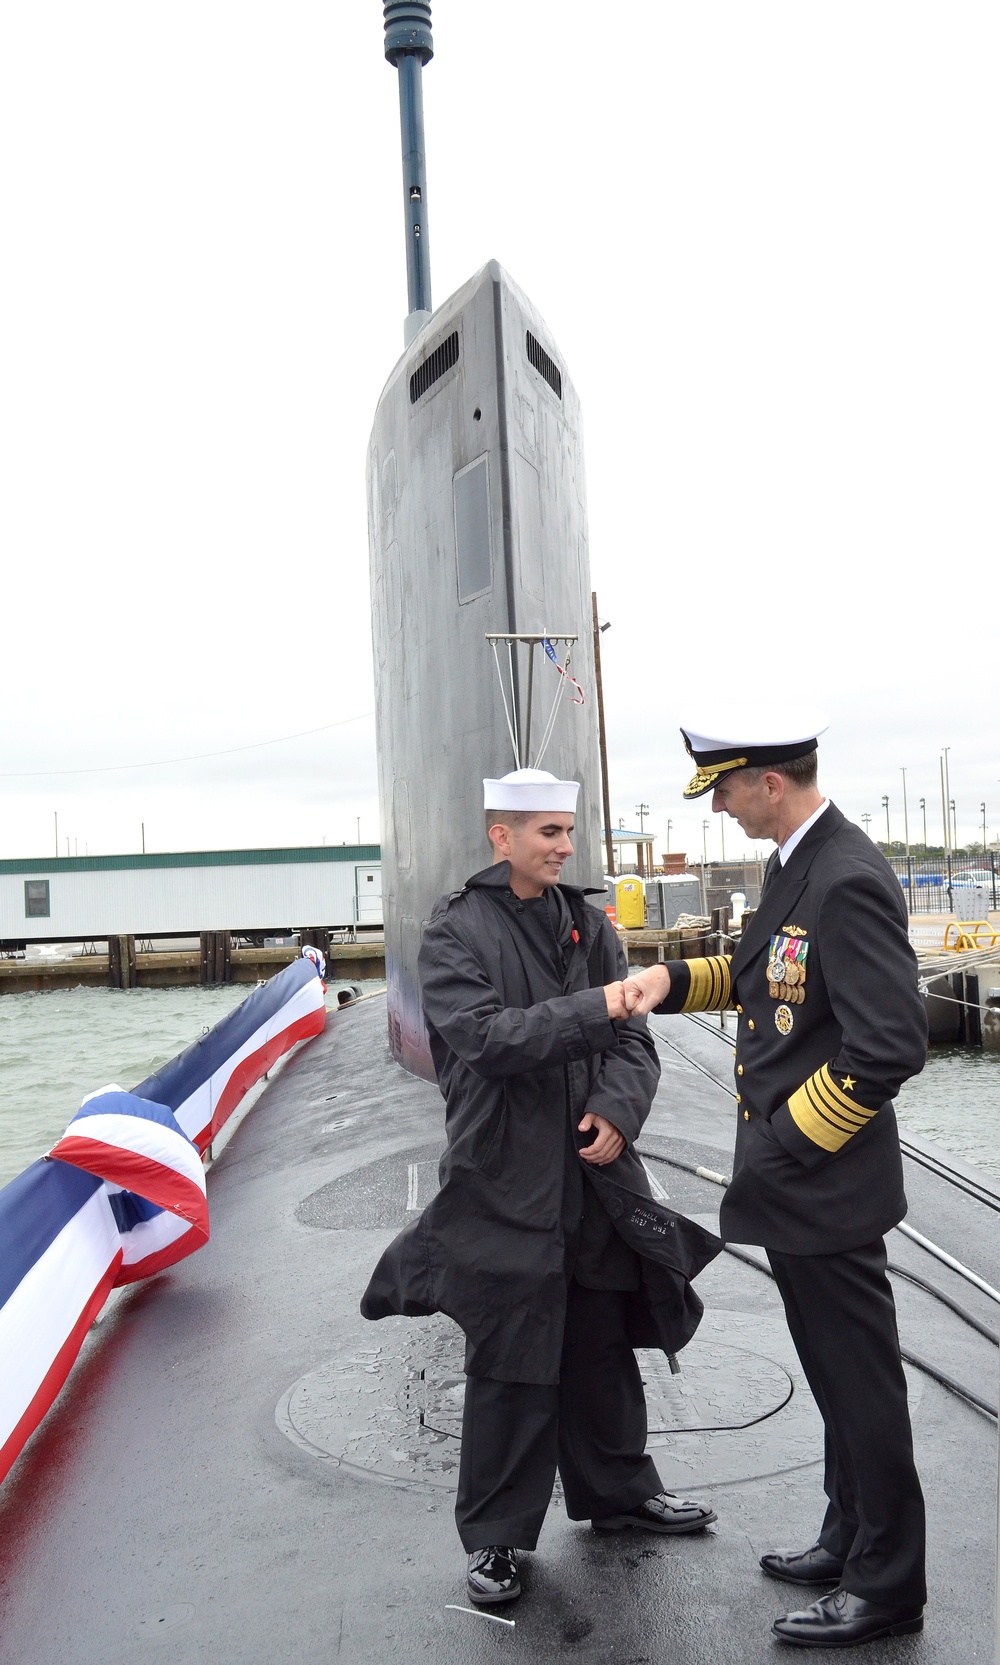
<point>771,871</point>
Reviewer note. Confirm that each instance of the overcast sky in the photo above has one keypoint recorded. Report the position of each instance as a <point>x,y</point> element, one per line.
<point>764,238</point>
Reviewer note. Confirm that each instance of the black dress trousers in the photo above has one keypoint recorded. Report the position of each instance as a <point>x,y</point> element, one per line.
<point>592,1426</point>
<point>842,1318</point>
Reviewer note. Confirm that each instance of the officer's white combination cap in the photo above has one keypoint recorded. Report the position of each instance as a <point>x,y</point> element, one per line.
<point>531,789</point>
<point>721,744</point>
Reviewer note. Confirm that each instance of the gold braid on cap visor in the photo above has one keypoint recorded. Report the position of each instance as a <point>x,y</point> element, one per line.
<point>705,778</point>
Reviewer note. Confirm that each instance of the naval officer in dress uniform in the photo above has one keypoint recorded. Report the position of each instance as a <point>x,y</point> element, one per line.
<point>544,1242</point>
<point>830,1025</point>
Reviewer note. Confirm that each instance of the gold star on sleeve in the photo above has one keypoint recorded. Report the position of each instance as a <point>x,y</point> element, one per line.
<point>847,1083</point>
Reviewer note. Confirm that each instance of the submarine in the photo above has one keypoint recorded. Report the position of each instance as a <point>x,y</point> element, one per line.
<point>238,1470</point>
<point>480,572</point>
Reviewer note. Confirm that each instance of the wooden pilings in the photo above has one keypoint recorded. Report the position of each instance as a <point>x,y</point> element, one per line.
<point>216,957</point>
<point>315,937</point>
<point>121,963</point>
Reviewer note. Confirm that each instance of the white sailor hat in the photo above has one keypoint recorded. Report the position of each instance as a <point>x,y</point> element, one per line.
<point>741,740</point>
<point>531,789</point>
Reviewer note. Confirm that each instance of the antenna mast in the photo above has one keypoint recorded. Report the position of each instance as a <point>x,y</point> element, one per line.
<point>408,46</point>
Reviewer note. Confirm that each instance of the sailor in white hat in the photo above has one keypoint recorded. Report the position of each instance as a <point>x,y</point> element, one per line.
<point>831,1023</point>
<point>544,1242</point>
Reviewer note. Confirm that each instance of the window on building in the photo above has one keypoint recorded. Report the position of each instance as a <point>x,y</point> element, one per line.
<point>36,898</point>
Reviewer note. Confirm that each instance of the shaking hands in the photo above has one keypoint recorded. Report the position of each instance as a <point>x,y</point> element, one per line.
<point>639,993</point>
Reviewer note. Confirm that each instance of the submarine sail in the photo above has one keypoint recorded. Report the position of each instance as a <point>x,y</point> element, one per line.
<point>477,528</point>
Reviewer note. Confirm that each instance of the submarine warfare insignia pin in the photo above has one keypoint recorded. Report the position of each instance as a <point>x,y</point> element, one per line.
<point>786,968</point>
<point>783,1020</point>
<point>794,931</point>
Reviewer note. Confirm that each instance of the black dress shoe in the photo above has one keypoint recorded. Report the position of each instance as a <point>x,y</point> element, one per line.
<point>492,1575</point>
<point>841,1620</point>
<point>662,1513</point>
<point>805,1566</point>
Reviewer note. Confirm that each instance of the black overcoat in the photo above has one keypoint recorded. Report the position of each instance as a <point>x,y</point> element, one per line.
<point>517,1075</point>
<point>817,1167</point>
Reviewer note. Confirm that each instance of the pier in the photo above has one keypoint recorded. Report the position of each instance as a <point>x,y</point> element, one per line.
<point>210,960</point>
<point>958,962</point>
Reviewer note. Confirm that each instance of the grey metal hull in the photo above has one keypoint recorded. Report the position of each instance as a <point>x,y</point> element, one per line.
<point>477,524</point>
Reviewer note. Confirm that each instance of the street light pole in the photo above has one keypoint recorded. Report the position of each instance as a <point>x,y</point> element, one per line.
<point>923,811</point>
<point>954,824</point>
<point>669,826</point>
<point>704,846</point>
<point>944,807</point>
<point>982,809</point>
<point>906,818</point>
<point>888,835</point>
<point>947,783</point>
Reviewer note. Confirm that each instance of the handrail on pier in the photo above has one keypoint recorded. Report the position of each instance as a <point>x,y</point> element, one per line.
<point>968,933</point>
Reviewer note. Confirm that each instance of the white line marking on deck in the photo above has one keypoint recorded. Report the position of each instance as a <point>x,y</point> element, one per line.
<point>412,1186</point>
<point>452,1607</point>
<point>654,1185</point>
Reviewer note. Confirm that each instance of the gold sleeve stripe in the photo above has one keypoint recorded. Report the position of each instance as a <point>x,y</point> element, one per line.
<point>822,1109</point>
<point>824,1113</point>
<point>710,988</point>
<point>853,1118</point>
<point>809,1121</point>
<point>833,1087</point>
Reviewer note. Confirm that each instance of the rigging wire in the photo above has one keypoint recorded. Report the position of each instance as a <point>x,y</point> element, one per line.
<point>658,1035</point>
<point>553,713</point>
<point>503,696</point>
<point>910,1357</point>
<point>940,1170</point>
<point>934,1166</point>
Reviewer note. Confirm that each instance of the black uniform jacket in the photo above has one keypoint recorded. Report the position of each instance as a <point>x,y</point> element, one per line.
<point>822,1050</point>
<point>492,1250</point>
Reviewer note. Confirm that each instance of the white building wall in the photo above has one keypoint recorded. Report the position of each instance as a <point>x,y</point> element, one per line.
<point>184,900</point>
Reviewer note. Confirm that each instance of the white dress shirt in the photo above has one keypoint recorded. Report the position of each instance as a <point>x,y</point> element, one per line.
<point>799,834</point>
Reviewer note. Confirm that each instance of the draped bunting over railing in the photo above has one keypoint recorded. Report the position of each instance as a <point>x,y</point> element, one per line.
<point>122,1194</point>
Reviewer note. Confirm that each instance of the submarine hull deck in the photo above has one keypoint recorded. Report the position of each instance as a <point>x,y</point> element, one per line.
<point>241,1469</point>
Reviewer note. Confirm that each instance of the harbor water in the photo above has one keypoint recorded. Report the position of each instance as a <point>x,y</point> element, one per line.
<point>58,1046</point>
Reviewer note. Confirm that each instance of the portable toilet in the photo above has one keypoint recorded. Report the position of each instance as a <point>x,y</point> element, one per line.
<point>630,903</point>
<point>610,898</point>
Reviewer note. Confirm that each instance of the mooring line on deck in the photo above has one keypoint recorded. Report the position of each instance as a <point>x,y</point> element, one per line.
<point>910,1357</point>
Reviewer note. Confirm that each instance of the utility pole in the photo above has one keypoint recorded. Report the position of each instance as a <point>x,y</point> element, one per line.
<point>944,807</point>
<point>868,822</point>
<point>954,824</point>
<point>642,810</point>
<point>56,814</point>
<point>704,845</point>
<point>609,843</point>
<point>923,811</point>
<point>143,826</point>
<point>669,826</point>
<point>947,787</point>
<point>888,835</point>
<point>982,811</point>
